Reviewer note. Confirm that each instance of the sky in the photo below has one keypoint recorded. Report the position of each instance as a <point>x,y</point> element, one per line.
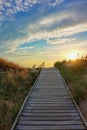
<point>36,31</point>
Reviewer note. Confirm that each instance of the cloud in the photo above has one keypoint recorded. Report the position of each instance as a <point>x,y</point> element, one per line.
<point>11,50</point>
<point>31,2</point>
<point>24,48</point>
<point>56,2</point>
<point>55,18</point>
<point>60,24</point>
<point>7,4</point>
<point>57,33</point>
<point>60,41</point>
<point>10,7</point>
<point>60,35</point>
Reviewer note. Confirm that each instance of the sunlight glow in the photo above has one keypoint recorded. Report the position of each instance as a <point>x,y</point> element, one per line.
<point>72,56</point>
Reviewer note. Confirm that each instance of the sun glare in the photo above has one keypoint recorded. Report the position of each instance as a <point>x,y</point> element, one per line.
<point>72,56</point>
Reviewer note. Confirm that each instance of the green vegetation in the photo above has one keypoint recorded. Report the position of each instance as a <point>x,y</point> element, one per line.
<point>75,74</point>
<point>15,83</point>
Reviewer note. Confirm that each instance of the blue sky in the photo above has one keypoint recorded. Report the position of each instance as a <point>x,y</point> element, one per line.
<point>33,31</point>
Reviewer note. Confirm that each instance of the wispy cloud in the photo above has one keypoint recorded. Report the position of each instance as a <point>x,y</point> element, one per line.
<point>56,2</point>
<point>55,18</point>
<point>57,33</point>
<point>60,41</point>
<point>14,49</point>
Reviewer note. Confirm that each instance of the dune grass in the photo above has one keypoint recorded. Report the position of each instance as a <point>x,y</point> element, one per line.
<point>15,83</point>
<point>75,74</point>
<point>6,65</point>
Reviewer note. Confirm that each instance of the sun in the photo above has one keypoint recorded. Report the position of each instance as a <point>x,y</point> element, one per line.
<point>72,56</point>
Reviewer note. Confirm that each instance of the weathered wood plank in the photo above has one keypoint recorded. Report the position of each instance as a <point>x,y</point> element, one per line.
<point>50,118</point>
<point>79,122</point>
<point>50,105</point>
<point>51,108</point>
<point>49,114</point>
<point>55,127</point>
<point>47,111</point>
<point>49,102</point>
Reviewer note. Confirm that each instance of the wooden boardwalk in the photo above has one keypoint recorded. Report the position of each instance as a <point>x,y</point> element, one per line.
<point>49,106</point>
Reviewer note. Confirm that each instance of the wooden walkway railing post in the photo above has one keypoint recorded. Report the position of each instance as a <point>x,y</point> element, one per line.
<point>42,65</point>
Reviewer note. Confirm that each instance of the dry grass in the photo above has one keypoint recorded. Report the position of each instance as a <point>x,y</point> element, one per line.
<point>75,74</point>
<point>14,86</point>
<point>6,65</point>
<point>5,112</point>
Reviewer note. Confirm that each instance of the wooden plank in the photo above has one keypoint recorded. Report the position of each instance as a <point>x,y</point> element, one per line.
<point>55,127</point>
<point>51,108</point>
<point>50,105</point>
<point>78,122</point>
<point>49,94</point>
<point>49,114</point>
<point>26,110</point>
<point>50,91</point>
<point>61,96</point>
<point>50,102</point>
<point>50,118</point>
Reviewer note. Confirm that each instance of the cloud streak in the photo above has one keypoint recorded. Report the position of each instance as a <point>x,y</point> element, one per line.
<point>60,41</point>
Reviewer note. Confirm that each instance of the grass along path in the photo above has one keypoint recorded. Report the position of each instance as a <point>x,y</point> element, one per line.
<point>75,74</point>
<point>14,86</point>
